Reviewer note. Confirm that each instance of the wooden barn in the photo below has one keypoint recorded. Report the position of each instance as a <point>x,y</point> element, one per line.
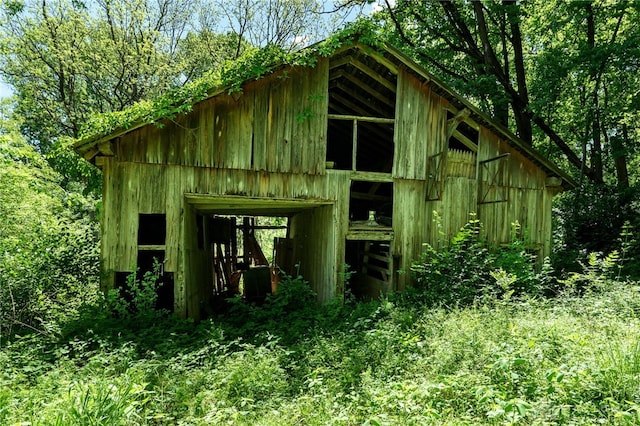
<point>357,154</point>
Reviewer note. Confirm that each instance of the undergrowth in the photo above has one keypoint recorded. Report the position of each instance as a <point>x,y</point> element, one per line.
<point>504,358</point>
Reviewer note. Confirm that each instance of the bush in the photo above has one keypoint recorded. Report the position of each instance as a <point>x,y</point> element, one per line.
<point>137,301</point>
<point>469,268</point>
<point>293,300</point>
<point>48,242</point>
<point>587,218</point>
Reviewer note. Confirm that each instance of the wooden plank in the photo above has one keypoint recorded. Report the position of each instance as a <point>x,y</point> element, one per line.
<point>379,58</point>
<point>385,271</point>
<point>370,176</point>
<point>369,235</point>
<point>379,257</point>
<point>354,146</point>
<point>154,247</point>
<point>465,140</point>
<point>348,117</point>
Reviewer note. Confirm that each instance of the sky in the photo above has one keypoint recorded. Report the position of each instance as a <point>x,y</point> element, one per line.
<point>5,89</point>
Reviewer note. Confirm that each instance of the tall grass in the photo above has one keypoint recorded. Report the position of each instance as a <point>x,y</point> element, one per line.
<point>571,360</point>
<point>505,354</point>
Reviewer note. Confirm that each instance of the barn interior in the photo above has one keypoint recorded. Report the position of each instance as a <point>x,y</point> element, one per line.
<point>360,138</point>
<point>244,246</point>
<point>362,98</point>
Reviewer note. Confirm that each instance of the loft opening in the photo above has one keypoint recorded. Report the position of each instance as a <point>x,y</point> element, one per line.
<point>370,204</point>
<point>360,128</point>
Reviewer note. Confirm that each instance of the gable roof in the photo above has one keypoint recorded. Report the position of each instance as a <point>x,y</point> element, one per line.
<point>372,69</point>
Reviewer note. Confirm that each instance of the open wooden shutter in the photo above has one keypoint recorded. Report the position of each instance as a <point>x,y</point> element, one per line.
<point>435,176</point>
<point>492,185</point>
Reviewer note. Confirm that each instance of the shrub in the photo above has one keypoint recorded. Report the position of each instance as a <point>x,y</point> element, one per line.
<point>136,301</point>
<point>469,268</point>
<point>294,300</point>
<point>48,243</point>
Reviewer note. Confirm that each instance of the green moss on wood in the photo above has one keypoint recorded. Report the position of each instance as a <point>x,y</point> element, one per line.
<point>254,64</point>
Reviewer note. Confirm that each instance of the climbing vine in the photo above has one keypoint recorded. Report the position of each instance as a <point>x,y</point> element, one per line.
<point>254,64</point>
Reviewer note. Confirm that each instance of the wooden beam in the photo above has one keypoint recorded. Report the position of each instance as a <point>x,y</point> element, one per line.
<point>90,153</point>
<point>355,94</point>
<point>454,122</point>
<point>367,119</point>
<point>373,92</point>
<point>339,62</point>
<point>374,75</point>
<point>369,235</point>
<point>351,105</point>
<point>152,247</point>
<point>378,268</point>
<point>379,58</point>
<point>465,140</point>
<point>372,176</point>
<point>354,146</point>
<point>370,197</point>
<point>106,148</point>
<point>466,116</point>
<point>379,257</point>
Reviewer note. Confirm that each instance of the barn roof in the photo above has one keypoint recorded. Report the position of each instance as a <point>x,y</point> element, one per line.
<point>355,68</point>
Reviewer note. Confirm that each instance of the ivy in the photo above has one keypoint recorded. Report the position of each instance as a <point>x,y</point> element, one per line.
<point>252,65</point>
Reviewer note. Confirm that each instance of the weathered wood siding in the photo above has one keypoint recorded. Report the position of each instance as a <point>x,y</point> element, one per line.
<point>315,249</point>
<point>528,201</point>
<point>409,224</point>
<point>421,133</point>
<point>134,188</point>
<point>420,127</point>
<point>276,124</point>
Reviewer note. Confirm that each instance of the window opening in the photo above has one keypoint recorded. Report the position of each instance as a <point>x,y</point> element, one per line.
<point>152,235</point>
<point>152,229</point>
<point>460,135</point>
<point>371,204</point>
<point>360,143</point>
<point>462,146</point>
<point>164,283</point>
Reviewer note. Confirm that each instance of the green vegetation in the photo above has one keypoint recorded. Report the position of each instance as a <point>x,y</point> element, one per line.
<point>505,355</point>
<point>253,64</point>
<point>48,241</point>
<point>570,361</point>
<point>486,336</point>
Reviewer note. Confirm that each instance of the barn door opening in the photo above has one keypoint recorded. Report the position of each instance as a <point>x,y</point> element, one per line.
<point>238,245</point>
<point>371,267</point>
<point>243,254</point>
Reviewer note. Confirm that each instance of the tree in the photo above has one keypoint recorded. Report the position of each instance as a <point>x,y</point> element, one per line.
<point>67,60</point>
<point>289,24</point>
<point>48,238</point>
<point>518,58</point>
